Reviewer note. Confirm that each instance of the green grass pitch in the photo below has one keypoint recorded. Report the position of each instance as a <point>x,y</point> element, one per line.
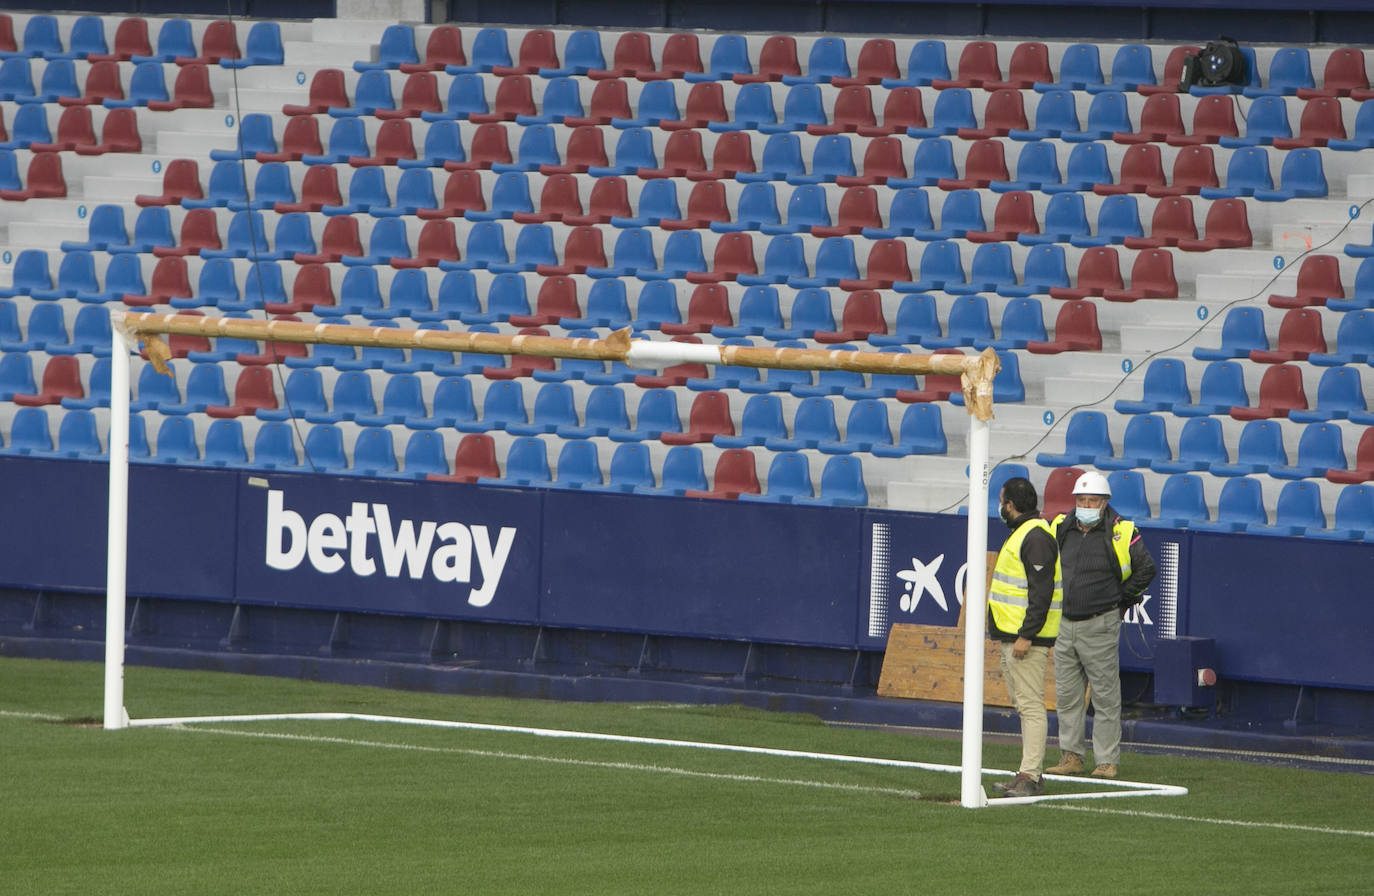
<point>355,807</point>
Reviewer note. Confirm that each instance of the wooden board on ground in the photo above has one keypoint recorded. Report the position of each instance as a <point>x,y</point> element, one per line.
<point>926,662</point>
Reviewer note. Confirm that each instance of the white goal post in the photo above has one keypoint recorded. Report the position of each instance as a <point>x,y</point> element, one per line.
<point>976,373</point>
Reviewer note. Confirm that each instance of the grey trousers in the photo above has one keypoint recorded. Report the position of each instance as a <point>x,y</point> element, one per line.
<point>1085,654</point>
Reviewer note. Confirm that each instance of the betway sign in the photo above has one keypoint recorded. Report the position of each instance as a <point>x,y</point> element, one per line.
<point>368,541</point>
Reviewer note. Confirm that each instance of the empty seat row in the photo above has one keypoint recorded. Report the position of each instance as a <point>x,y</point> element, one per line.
<point>176,41</point>
<point>75,131</point>
<point>731,56</point>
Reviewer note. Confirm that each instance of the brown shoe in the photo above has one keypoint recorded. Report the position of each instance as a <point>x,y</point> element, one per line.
<point>1022,785</point>
<point>1069,764</point>
<point>1107,770</point>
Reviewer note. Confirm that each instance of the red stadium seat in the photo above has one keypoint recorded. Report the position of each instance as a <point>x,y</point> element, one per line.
<point>420,94</point>
<point>537,51</point>
<point>190,91</point>
<point>632,57</point>
<point>1227,227</point>
<point>1160,119</point>
<point>1140,169</point>
<point>863,317</point>
<point>199,230</point>
<point>887,264</point>
<point>438,241</point>
<point>168,281</point>
<point>583,249</point>
<point>1029,65</point>
<point>327,90</point>
<point>474,459</point>
<point>1319,279</point>
<point>444,47</point>
<point>858,209</point>
<point>1281,391</point>
<point>1004,113</point>
<point>319,188</point>
<point>1300,334</point>
<point>1213,118</point>
<point>1014,215</point>
<point>1098,271</point>
<point>43,181</point>
<point>901,110</point>
<point>1172,221</point>
<point>977,65</point>
<point>708,307</point>
<point>735,473</point>
<point>1152,277</point>
<point>1075,330</point>
<point>255,389</point>
<point>877,60</point>
<point>777,60</point>
<point>709,417</point>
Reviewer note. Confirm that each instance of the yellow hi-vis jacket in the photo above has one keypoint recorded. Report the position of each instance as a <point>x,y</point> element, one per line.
<point>1007,598</point>
<point>1123,533</point>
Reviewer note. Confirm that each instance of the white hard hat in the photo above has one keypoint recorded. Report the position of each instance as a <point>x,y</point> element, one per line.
<point>1092,483</point>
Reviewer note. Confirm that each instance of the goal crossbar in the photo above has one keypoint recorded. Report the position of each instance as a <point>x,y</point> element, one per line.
<point>976,373</point>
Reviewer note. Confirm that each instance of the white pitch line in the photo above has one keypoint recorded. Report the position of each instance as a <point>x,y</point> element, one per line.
<point>1120,788</point>
<point>1228,822</point>
<point>560,760</point>
<point>40,716</point>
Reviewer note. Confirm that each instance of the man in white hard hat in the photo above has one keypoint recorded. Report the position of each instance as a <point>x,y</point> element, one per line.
<point>1106,569</point>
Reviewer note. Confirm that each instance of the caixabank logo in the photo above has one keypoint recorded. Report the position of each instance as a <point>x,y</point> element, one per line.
<point>369,541</point>
<point>916,575</point>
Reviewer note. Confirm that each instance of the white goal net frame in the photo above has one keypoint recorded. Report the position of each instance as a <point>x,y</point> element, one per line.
<point>975,371</point>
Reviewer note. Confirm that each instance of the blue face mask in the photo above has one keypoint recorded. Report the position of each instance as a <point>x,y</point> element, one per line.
<point>1088,516</point>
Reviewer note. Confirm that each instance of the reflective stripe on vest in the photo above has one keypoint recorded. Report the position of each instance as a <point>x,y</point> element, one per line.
<point>1007,598</point>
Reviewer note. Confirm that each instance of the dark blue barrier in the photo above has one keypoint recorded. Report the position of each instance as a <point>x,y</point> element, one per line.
<point>1281,610</point>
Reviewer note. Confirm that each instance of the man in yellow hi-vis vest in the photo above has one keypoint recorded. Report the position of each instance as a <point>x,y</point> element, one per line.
<point>1106,569</point>
<point>1023,615</point>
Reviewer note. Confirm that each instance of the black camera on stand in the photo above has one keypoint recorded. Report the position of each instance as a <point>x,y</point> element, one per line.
<point>1218,64</point>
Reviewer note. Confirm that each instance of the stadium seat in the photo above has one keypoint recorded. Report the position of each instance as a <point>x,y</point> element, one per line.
<point>1280,391</point>
<point>1298,509</point>
<point>1240,505</point>
<point>1075,329</point>
<point>1085,439</point>
<point>1222,387</point>
<point>656,414</point>
<point>1354,516</point>
<point>735,474</point>
<point>1363,468</point>
<point>683,470</point>
<point>1200,445</point>
<point>1182,503</point>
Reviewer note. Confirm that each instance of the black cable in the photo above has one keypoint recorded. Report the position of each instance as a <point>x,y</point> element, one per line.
<point>1060,418</point>
<point>275,362</point>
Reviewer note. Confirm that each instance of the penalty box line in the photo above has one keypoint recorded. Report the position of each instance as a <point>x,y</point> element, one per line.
<point>1119,788</point>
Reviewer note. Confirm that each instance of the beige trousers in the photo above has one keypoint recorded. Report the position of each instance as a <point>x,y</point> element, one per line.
<point>1026,686</point>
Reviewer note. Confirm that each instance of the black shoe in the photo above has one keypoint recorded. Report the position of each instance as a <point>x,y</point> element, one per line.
<point>1021,785</point>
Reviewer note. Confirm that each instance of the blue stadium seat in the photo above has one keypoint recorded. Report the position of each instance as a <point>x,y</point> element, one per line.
<point>953,109</point>
<point>1340,396</point>
<point>842,484</point>
<point>866,429</point>
<point>970,322</point>
<point>1354,516</point>
<point>58,82</point>
<point>1259,449</point>
<point>657,201</point>
<point>579,466</point>
<point>761,419</point>
<point>402,399</point>
<point>1246,173</point>
<point>1181,502</point>
<point>1242,331</point>
<point>630,470</point>
<point>1132,66</point>
<point>1107,115</point>
<point>789,478</point>
<point>1300,176</point>
<point>683,470</point>
<point>1143,444</point>
<point>489,49</point>
<point>374,454</point>
<point>807,207</point>
<point>224,444</point>
<point>811,311</point>
<point>1023,320</point>
<point>503,404</point>
<point>274,447</point>
<point>352,397</point>
<point>1036,167</point>
<point>1128,494</point>
<point>75,273</point>
<point>604,411</point>
<point>1118,219</point>
<point>1290,69</point>
<point>262,46</point>
<point>77,435</point>
<point>1361,135</point>
<point>176,442</point>
<point>553,408</point>
<point>656,414</point>
<point>424,456</point>
<point>1320,449</point>
<point>1200,445</point>
<point>1299,509</point>
<point>1266,119</point>
<point>1164,385</point>
<point>452,406</point>
<point>1080,68</point>
<point>813,423</point>
<point>30,125</point>
<point>921,431</point>
<point>1240,505</point>
<point>396,48</point>
<point>1055,114</point>
<point>324,449</point>
<point>989,270</point>
<point>1045,268</point>
<point>783,261</point>
<point>827,59</point>
<point>581,54</point>
<point>1085,438</point>
<point>154,390</point>
<point>927,61</point>
<point>303,393</point>
<point>941,267</point>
